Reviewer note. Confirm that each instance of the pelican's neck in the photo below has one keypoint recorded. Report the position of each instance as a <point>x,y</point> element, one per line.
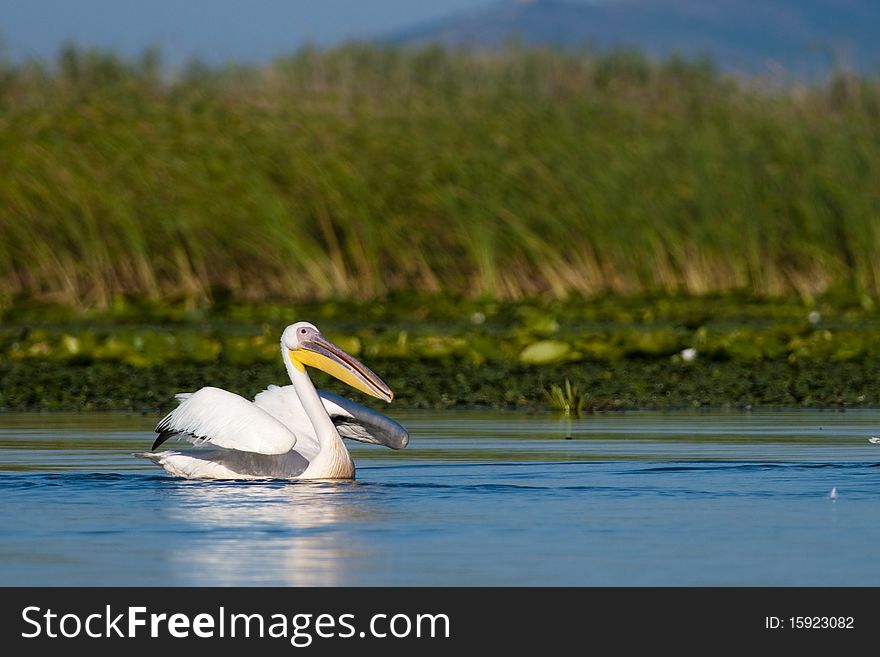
<point>332,460</point>
<point>312,404</point>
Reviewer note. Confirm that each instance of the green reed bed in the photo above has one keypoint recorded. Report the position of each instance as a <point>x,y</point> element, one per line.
<point>364,171</point>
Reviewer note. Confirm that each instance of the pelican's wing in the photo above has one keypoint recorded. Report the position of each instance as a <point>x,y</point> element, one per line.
<point>284,405</point>
<point>351,419</point>
<point>224,419</point>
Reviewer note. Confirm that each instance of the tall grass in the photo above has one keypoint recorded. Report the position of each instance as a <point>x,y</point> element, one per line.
<point>363,170</point>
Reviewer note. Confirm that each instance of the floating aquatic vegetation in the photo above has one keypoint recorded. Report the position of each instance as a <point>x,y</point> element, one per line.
<point>545,352</point>
<point>748,352</point>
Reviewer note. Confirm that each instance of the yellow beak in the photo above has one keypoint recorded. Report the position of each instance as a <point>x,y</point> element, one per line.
<point>321,353</point>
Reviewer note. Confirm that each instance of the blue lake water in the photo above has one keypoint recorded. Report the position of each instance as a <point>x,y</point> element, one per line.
<point>476,499</point>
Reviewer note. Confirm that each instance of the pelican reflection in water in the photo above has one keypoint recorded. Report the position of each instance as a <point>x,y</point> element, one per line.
<point>249,534</point>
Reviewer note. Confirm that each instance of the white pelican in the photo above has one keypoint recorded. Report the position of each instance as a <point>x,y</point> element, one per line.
<point>290,432</point>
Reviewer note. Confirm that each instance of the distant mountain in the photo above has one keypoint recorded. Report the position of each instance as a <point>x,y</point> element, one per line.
<point>801,36</point>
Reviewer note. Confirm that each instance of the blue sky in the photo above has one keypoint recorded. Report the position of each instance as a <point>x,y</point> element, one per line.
<point>214,30</point>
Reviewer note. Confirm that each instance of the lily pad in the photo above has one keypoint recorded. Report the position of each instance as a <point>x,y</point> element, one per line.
<point>545,352</point>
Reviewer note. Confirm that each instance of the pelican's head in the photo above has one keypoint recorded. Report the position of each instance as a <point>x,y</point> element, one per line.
<point>307,346</point>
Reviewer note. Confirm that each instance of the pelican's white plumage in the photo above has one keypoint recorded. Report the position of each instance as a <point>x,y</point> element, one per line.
<point>289,432</point>
<point>352,420</point>
<point>224,419</point>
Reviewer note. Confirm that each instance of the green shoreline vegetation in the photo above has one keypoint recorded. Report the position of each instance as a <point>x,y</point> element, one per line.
<point>618,352</point>
<point>478,228</point>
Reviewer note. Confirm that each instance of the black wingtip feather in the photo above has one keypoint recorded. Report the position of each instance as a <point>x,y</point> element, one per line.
<point>162,437</point>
